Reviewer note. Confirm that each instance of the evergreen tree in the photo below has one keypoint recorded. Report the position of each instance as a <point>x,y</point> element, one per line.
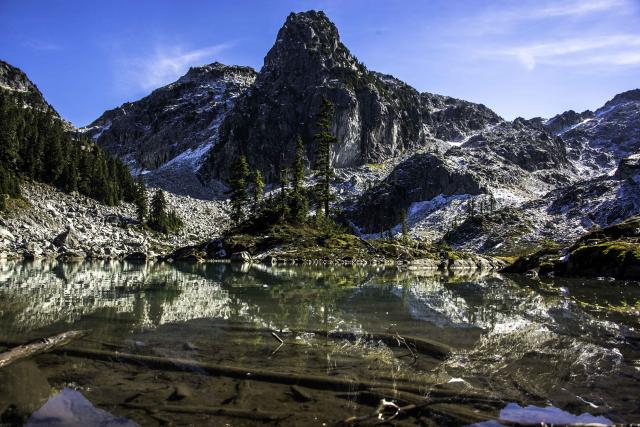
<point>299,205</point>
<point>238,189</point>
<point>158,206</point>
<point>258,188</point>
<point>283,197</point>
<point>324,140</point>
<point>142,206</point>
<point>161,220</point>
<point>8,134</point>
<point>9,186</point>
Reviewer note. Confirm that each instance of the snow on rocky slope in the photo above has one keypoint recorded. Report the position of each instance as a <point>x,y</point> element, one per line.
<point>515,184</point>
<point>597,142</point>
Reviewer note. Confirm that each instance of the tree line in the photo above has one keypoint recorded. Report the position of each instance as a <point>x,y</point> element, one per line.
<point>34,145</point>
<point>292,203</point>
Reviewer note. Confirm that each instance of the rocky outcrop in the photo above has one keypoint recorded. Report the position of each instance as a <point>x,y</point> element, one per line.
<point>509,157</point>
<point>498,231</point>
<point>612,251</point>
<point>168,133</point>
<point>521,143</point>
<point>451,119</point>
<point>561,123</point>
<point>15,80</point>
<point>376,116</point>
<point>421,177</point>
<point>629,167</point>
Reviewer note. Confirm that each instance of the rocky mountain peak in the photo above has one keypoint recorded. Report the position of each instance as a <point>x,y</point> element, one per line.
<point>14,79</point>
<point>308,39</point>
<point>167,134</point>
<point>377,117</point>
<point>560,123</point>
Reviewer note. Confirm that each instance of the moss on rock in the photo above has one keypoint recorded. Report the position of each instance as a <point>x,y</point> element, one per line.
<point>617,259</point>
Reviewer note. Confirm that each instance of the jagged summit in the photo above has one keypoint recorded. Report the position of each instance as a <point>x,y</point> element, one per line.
<point>312,40</point>
<point>598,141</point>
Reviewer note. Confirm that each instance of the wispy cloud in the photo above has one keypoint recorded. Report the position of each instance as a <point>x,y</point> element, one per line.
<point>41,45</point>
<point>618,49</point>
<point>502,20</point>
<point>577,8</point>
<point>164,65</point>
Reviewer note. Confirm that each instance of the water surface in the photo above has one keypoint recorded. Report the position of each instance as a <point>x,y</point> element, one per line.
<point>494,348</point>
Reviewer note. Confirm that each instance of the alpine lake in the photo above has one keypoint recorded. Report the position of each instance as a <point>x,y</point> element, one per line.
<point>239,345</point>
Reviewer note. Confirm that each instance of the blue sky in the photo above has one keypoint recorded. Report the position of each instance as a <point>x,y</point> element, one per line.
<point>521,58</point>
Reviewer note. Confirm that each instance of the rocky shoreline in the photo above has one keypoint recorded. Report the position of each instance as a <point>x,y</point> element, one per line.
<point>49,224</point>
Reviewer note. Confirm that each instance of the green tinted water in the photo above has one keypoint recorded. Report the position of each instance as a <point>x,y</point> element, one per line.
<point>476,348</point>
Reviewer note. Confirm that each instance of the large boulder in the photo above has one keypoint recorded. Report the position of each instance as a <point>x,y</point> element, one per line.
<point>188,254</point>
<point>137,256</point>
<point>67,238</point>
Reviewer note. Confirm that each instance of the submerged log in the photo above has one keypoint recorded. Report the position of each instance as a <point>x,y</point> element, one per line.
<point>433,348</point>
<point>322,382</point>
<point>37,347</point>
<point>426,346</point>
<point>255,415</point>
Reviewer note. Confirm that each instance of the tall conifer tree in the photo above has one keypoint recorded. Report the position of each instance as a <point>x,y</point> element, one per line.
<point>324,172</point>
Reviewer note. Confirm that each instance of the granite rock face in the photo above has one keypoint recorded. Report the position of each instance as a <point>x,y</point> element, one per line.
<point>514,156</point>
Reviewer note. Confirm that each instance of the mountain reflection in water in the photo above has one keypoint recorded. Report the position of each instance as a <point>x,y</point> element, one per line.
<point>517,340</point>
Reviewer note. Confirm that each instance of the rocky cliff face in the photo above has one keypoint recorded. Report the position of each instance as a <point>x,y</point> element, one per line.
<point>167,134</point>
<point>421,177</point>
<point>376,116</point>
